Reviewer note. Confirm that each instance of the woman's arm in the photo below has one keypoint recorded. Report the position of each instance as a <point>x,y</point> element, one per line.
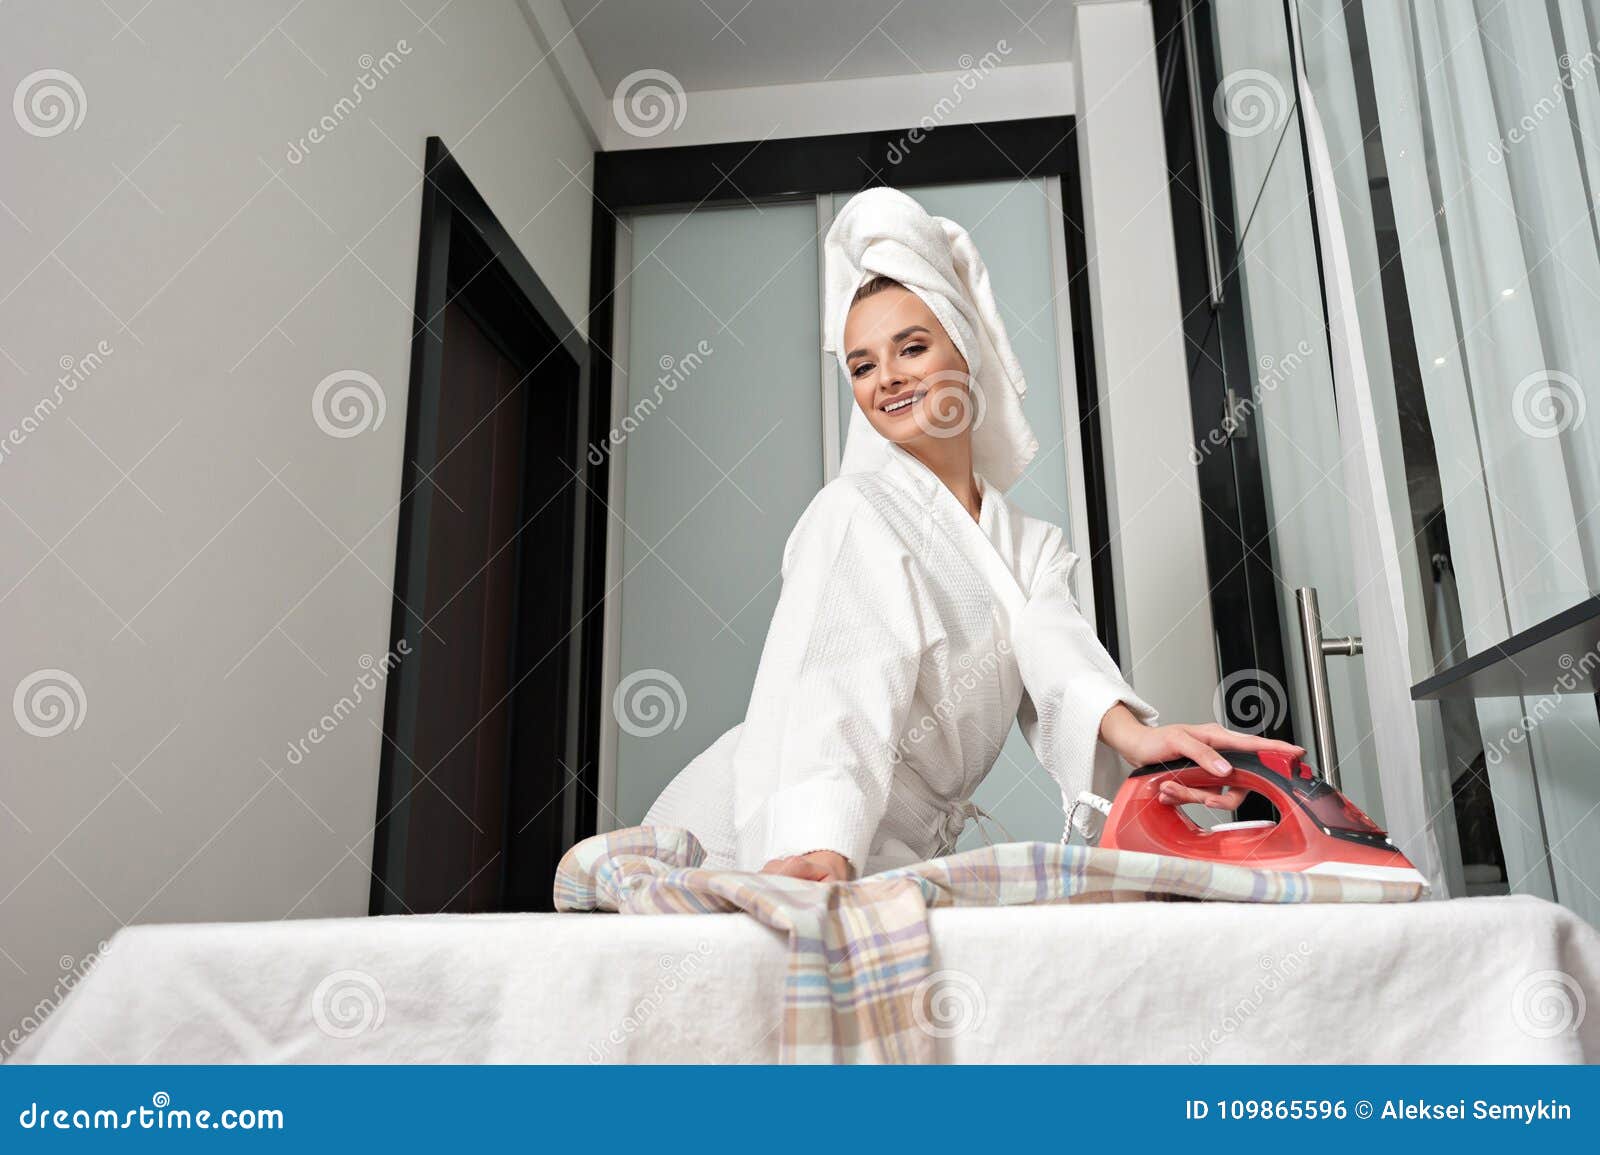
<point>814,760</point>
<point>1070,682</point>
<point>1077,699</point>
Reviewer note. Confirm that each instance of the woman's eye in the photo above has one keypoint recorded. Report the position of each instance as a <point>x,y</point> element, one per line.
<point>909,351</point>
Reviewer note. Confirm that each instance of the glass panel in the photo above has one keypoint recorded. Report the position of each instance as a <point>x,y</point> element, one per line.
<point>723,454</point>
<point>710,570</point>
<point>1254,101</point>
<point>1333,52</point>
<point>1476,130</point>
<point>1290,377</point>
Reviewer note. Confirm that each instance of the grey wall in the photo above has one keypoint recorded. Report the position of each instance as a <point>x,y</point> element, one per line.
<point>179,534</point>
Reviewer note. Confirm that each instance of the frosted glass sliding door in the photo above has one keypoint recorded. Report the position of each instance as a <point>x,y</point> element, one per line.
<point>717,444</point>
<point>717,452</point>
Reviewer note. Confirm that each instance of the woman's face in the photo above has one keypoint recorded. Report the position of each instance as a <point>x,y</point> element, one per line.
<point>909,377</point>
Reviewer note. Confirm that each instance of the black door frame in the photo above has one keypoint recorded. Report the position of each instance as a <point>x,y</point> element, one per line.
<point>1235,518</point>
<point>507,298</point>
<point>801,168</point>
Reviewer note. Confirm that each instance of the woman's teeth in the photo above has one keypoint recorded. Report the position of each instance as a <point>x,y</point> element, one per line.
<point>895,407</point>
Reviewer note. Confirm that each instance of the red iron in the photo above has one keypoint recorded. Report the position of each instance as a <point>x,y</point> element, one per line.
<point>1318,831</point>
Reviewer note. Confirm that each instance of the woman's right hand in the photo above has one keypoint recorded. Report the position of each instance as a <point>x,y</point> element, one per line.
<point>817,866</point>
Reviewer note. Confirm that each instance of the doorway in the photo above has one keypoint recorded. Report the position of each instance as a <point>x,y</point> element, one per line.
<point>483,727</point>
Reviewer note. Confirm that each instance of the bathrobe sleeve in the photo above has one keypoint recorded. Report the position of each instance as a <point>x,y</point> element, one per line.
<point>833,689</point>
<point>1069,680</point>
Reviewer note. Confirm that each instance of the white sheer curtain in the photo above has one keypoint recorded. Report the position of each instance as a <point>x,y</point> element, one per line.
<point>1485,123</point>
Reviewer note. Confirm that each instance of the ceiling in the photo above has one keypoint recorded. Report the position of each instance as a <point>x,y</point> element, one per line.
<point>711,44</point>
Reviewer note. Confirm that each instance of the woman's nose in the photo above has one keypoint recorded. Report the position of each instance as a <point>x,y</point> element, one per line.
<point>889,380</point>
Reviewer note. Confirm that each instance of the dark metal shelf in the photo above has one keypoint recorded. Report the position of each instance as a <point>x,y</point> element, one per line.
<point>1560,655</point>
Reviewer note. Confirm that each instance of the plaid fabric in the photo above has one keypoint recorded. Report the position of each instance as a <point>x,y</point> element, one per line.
<point>860,986</point>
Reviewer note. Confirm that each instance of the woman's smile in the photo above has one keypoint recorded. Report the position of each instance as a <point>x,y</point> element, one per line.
<point>903,402</point>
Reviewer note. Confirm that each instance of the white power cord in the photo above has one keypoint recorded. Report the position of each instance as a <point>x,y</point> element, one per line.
<point>1080,817</point>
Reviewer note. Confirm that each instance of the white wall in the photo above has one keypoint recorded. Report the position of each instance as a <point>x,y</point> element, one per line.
<point>179,534</point>
<point>1158,547</point>
<point>866,104</point>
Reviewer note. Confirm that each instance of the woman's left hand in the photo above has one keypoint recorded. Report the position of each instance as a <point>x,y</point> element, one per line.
<point>817,866</point>
<point>1140,745</point>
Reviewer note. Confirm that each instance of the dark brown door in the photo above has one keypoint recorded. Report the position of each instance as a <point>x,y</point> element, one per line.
<point>466,645</point>
<point>477,820</point>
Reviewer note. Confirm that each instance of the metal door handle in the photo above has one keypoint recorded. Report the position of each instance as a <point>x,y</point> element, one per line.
<point>1316,650</point>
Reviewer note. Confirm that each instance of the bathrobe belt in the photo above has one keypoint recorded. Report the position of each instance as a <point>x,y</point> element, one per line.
<point>953,815</point>
<point>955,820</point>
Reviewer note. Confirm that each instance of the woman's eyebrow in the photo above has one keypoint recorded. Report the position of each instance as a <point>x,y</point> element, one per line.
<point>895,340</point>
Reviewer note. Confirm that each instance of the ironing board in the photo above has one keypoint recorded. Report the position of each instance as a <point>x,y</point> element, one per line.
<point>1512,979</point>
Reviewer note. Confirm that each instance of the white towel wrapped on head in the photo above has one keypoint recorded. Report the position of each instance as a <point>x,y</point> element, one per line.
<point>884,232</point>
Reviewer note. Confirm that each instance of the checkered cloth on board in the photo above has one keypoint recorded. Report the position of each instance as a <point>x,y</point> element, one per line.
<point>860,986</point>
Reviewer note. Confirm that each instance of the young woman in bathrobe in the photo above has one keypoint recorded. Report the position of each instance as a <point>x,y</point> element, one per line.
<point>920,615</point>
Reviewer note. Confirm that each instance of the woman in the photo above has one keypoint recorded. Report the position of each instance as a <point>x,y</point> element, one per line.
<point>920,613</point>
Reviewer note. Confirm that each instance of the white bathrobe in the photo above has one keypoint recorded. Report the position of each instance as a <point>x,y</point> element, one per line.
<point>906,640</point>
